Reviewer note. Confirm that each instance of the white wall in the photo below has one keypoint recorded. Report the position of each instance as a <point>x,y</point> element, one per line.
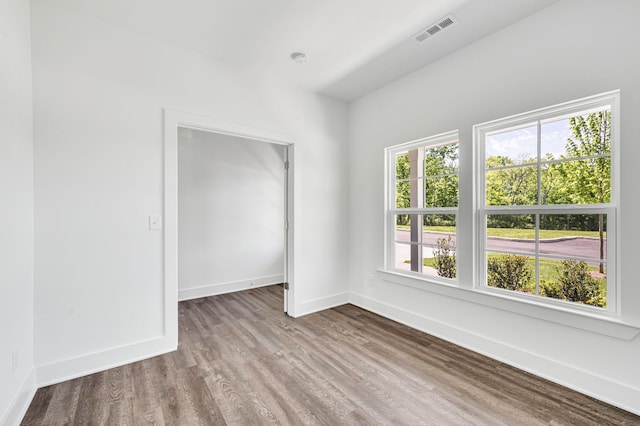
<point>99,94</point>
<point>570,50</point>
<point>17,378</point>
<point>230,213</point>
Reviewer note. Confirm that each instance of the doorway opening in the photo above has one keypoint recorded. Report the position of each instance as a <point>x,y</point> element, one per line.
<point>181,126</point>
<point>231,205</point>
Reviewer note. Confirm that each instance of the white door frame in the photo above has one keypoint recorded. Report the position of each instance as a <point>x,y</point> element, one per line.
<point>172,121</point>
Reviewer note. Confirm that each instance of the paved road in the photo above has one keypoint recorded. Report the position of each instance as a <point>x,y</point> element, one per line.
<point>570,247</point>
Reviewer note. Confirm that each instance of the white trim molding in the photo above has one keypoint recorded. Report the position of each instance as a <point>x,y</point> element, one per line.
<point>20,404</point>
<point>320,304</point>
<point>71,368</point>
<point>228,287</point>
<point>618,394</point>
<point>608,326</point>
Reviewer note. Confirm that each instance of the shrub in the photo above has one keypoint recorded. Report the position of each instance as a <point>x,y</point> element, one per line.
<point>445,258</point>
<point>511,272</point>
<point>577,284</point>
<point>551,289</point>
<point>599,299</point>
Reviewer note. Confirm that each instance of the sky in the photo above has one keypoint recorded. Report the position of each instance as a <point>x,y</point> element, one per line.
<point>521,143</point>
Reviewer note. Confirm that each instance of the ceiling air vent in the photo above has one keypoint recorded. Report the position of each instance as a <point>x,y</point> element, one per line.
<point>435,28</point>
<point>445,22</point>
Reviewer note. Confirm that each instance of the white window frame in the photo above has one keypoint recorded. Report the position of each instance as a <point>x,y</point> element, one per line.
<point>390,202</point>
<point>480,132</point>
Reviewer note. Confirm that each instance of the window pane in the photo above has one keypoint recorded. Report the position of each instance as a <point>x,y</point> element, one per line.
<point>408,234</point>
<point>510,187</point>
<point>440,165</point>
<point>408,228</point>
<point>415,193</point>
<point>511,232</point>
<point>440,261</point>
<point>511,272</point>
<point>402,257</point>
<point>403,226</point>
<point>441,192</point>
<point>409,194</point>
<point>439,230</point>
<point>403,194</point>
<point>553,186</point>
<point>574,235</point>
<point>439,250</point>
<point>577,181</point>
<point>573,281</point>
<point>402,166</point>
<point>579,136</point>
<point>441,160</point>
<point>426,244</point>
<point>553,139</point>
<point>512,147</point>
<point>445,223</point>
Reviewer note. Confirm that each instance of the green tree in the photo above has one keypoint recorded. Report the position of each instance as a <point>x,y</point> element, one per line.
<point>508,187</point>
<point>441,176</point>
<point>589,178</point>
<point>511,186</point>
<point>403,187</point>
<point>552,187</point>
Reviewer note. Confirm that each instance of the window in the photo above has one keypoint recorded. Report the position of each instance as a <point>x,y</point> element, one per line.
<point>538,225</point>
<point>422,206</point>
<point>547,204</point>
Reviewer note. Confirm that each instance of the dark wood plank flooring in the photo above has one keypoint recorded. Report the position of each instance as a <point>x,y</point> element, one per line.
<point>241,361</point>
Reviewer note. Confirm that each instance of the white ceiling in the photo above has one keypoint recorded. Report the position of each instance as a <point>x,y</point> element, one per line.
<point>353,46</point>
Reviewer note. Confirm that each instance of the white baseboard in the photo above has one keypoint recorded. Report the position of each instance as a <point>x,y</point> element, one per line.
<point>227,287</point>
<point>315,305</point>
<point>609,391</point>
<point>71,368</point>
<point>18,407</point>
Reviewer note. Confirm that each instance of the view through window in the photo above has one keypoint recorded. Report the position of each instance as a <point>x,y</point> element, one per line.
<point>424,205</point>
<point>547,207</point>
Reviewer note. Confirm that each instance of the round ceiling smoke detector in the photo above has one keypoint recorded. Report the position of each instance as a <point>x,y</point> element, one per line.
<point>299,57</point>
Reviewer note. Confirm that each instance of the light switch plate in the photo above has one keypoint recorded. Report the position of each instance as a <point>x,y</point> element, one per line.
<point>155,223</point>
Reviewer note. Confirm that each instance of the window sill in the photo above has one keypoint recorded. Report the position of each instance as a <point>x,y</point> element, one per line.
<point>592,322</point>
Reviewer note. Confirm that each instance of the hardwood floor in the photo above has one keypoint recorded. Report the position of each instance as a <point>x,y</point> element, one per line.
<point>241,361</point>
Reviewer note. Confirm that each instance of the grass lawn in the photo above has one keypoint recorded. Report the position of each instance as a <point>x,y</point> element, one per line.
<point>517,233</point>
